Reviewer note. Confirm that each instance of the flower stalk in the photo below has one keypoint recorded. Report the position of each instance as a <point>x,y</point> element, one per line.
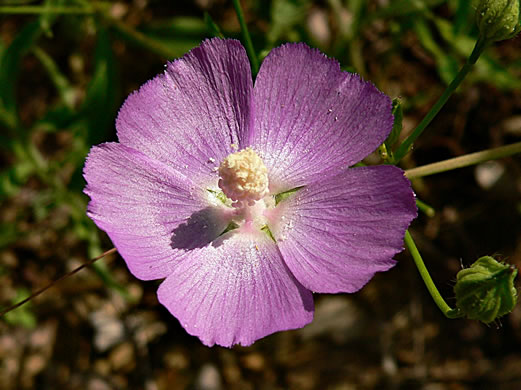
<point>435,294</point>
<point>464,161</point>
<point>247,39</point>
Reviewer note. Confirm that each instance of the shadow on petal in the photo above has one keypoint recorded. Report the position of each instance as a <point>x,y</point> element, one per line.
<point>200,229</point>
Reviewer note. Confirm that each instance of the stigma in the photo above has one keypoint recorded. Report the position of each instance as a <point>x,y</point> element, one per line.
<point>243,177</point>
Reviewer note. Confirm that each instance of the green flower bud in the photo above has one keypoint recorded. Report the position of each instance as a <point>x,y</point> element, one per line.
<point>498,19</point>
<point>486,291</point>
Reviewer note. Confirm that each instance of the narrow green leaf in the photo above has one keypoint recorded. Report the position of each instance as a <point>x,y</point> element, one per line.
<point>10,68</point>
<point>464,17</point>
<point>397,112</point>
<point>446,64</point>
<point>99,106</point>
<point>212,27</point>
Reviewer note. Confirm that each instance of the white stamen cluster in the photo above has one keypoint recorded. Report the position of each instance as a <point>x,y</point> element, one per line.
<point>243,177</point>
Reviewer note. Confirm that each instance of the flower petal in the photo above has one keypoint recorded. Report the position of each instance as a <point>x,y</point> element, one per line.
<point>236,292</point>
<point>311,117</point>
<point>190,116</point>
<point>148,210</point>
<point>338,232</point>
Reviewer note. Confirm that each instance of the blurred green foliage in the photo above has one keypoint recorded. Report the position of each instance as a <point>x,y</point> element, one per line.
<point>23,316</point>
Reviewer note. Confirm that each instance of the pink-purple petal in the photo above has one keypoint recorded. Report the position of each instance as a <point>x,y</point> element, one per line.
<point>147,209</point>
<point>189,117</point>
<point>311,118</point>
<point>236,291</point>
<point>338,232</point>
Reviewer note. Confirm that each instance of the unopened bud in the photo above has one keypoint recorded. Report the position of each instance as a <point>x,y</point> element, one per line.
<point>498,19</point>
<point>486,291</point>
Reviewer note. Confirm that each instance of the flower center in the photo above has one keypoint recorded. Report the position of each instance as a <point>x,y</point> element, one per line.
<point>243,177</point>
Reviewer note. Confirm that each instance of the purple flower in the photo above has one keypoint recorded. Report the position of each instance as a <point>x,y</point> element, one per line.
<point>240,195</point>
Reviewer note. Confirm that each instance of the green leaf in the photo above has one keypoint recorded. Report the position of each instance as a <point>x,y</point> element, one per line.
<point>10,67</point>
<point>99,106</point>
<point>464,17</point>
<point>446,65</point>
<point>397,112</point>
<point>212,27</point>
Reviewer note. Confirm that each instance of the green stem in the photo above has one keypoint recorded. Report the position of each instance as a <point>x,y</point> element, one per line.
<point>404,148</point>
<point>463,161</point>
<point>247,39</point>
<point>435,294</point>
<point>425,208</point>
<point>35,10</point>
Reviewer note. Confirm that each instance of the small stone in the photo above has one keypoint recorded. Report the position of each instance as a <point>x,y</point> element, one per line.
<point>109,330</point>
<point>122,357</point>
<point>208,378</point>
<point>253,361</point>
<point>98,384</point>
<point>489,173</point>
<point>512,125</point>
<point>335,317</point>
<point>177,360</point>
